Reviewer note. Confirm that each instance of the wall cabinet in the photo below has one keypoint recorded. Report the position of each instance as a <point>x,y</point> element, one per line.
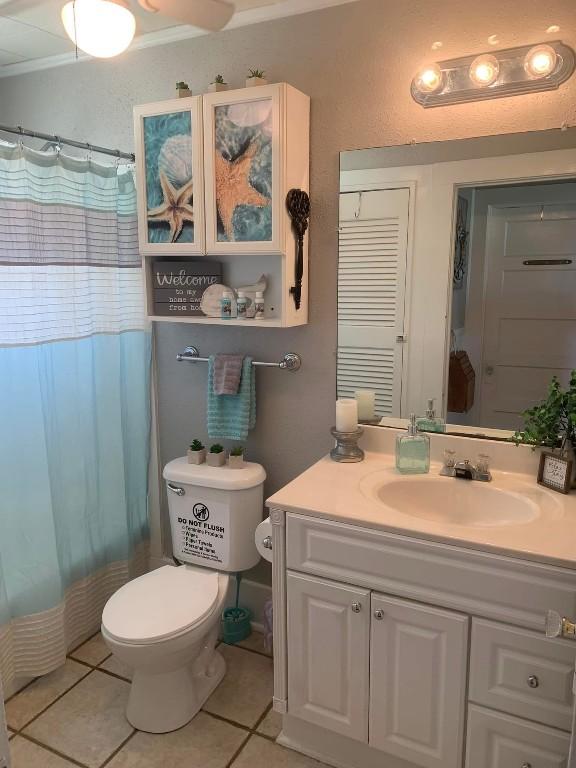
<point>213,172</point>
<point>389,652</point>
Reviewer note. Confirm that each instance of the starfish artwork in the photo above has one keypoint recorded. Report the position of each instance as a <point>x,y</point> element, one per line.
<point>233,187</point>
<point>175,209</point>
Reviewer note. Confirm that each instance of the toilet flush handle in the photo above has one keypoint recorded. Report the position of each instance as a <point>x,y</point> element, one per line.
<point>176,489</point>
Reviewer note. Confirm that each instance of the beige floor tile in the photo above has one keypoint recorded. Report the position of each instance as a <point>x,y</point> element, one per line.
<point>38,695</point>
<point>88,723</point>
<point>93,651</point>
<point>246,690</point>
<point>271,725</point>
<point>28,755</point>
<point>112,664</point>
<point>254,643</point>
<point>261,753</point>
<point>203,743</point>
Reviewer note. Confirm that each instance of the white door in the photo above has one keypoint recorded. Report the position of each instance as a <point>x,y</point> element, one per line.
<point>328,633</point>
<point>373,248</point>
<point>418,664</point>
<point>530,307</point>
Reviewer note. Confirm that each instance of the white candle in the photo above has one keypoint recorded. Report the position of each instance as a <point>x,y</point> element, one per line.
<point>346,415</point>
<point>366,399</point>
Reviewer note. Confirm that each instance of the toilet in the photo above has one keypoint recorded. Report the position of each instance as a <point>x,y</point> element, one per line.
<point>164,625</point>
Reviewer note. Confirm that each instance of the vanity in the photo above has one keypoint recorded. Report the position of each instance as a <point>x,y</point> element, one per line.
<point>410,612</point>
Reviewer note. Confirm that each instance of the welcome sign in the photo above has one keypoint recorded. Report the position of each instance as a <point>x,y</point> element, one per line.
<point>178,285</point>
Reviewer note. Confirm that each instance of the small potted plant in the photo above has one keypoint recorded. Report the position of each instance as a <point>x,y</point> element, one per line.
<point>256,77</point>
<point>216,457</point>
<point>182,89</point>
<point>236,458</point>
<point>196,453</point>
<point>218,84</point>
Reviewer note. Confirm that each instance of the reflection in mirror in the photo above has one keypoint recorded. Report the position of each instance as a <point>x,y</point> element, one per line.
<point>457,279</point>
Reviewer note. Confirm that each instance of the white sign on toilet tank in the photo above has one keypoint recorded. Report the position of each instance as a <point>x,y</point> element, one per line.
<point>201,531</point>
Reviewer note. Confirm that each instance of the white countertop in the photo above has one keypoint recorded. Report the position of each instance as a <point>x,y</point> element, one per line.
<point>338,492</point>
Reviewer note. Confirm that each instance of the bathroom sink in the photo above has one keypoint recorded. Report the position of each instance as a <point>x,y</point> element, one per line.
<point>459,502</point>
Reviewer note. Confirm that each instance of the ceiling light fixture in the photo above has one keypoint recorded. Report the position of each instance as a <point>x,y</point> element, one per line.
<point>508,72</point>
<point>101,28</point>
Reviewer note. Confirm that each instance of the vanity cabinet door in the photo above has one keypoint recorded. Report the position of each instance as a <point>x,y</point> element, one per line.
<point>418,682</point>
<point>328,634</point>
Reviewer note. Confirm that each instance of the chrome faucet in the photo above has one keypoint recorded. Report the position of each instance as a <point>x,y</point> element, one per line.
<point>464,469</point>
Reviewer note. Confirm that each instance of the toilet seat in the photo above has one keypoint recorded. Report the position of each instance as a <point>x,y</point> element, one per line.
<point>161,604</point>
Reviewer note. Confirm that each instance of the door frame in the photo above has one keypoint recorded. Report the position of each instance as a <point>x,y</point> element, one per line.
<point>359,186</point>
<point>436,190</point>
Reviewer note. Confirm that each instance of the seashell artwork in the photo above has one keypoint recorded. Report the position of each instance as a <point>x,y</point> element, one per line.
<point>175,160</point>
<point>210,301</point>
<point>250,113</point>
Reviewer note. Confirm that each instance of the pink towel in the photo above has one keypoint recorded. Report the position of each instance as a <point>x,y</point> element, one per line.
<point>227,373</point>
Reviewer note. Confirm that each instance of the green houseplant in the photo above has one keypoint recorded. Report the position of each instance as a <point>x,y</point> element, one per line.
<point>196,453</point>
<point>183,89</point>
<point>216,456</point>
<point>218,84</point>
<point>256,77</point>
<point>551,424</point>
<point>236,458</point>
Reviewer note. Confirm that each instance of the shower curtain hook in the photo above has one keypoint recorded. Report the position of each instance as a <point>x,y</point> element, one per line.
<point>89,153</point>
<point>58,145</point>
<point>21,139</point>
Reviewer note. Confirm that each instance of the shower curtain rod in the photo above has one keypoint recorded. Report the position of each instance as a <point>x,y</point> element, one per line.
<point>54,139</point>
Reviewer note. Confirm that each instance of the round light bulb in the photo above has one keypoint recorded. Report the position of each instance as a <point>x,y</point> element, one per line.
<point>101,28</point>
<point>540,61</point>
<point>429,80</point>
<point>484,70</point>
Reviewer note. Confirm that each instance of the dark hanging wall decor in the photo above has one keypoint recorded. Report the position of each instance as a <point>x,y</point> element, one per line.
<point>298,206</point>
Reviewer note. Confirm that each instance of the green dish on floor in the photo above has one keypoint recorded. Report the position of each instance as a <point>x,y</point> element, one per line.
<point>236,625</point>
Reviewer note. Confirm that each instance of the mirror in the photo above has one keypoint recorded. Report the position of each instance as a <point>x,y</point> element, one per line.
<point>457,278</point>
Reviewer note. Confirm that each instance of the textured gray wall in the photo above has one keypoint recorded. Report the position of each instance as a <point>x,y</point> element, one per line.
<point>356,62</point>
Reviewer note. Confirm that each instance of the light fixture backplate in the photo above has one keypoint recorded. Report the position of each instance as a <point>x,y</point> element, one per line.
<point>512,79</point>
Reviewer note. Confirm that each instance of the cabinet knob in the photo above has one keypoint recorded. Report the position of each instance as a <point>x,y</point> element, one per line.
<point>356,607</point>
<point>379,614</point>
<point>526,765</point>
<point>533,681</point>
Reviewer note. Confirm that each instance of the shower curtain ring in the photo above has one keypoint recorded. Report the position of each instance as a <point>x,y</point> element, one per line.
<point>89,154</point>
<point>58,145</point>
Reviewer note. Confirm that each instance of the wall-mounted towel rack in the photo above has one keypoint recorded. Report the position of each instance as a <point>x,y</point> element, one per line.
<point>290,362</point>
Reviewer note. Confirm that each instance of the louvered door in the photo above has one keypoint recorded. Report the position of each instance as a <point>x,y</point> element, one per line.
<point>371,294</point>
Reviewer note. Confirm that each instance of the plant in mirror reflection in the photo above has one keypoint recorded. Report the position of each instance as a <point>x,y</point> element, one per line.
<point>551,423</point>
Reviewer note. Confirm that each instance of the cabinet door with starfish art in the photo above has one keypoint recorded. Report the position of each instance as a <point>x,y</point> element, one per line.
<point>168,141</point>
<point>243,149</point>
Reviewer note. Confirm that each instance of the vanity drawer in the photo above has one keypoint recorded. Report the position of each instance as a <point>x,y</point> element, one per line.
<point>480,584</point>
<point>523,673</point>
<point>496,740</point>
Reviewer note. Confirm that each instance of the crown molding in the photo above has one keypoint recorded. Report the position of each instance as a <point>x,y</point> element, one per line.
<point>279,10</point>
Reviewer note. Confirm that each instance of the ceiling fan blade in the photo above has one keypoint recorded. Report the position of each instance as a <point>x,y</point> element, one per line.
<point>206,14</point>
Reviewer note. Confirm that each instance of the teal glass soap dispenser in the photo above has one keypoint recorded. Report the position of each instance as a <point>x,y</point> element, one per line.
<point>413,451</point>
<point>431,422</point>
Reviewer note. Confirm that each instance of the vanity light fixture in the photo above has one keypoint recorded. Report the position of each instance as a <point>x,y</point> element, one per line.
<point>101,28</point>
<point>508,72</point>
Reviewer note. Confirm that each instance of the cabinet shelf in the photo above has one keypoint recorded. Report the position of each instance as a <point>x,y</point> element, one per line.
<point>266,323</point>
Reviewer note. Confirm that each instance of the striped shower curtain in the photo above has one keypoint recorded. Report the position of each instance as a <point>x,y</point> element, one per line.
<point>74,402</point>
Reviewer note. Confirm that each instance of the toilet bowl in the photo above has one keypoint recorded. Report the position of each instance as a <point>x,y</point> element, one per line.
<point>164,626</point>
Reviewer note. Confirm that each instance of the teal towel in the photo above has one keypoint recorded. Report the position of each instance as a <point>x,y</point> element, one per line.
<point>231,416</point>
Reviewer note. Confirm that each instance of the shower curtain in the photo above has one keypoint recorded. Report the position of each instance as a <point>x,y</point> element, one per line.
<point>74,402</point>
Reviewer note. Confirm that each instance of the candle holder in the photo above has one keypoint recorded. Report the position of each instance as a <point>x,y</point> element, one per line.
<point>347,450</point>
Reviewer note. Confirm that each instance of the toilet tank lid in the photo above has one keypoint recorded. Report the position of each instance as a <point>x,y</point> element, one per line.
<point>180,471</point>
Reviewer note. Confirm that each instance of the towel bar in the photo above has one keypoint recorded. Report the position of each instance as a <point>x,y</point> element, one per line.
<point>290,362</point>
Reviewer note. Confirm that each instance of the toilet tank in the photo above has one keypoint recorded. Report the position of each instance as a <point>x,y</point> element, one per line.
<point>214,512</point>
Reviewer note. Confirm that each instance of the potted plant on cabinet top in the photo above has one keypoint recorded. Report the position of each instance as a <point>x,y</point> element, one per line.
<point>256,77</point>
<point>196,453</point>
<point>182,89</point>
<point>216,457</point>
<point>218,84</point>
<point>552,423</point>
<point>236,458</point>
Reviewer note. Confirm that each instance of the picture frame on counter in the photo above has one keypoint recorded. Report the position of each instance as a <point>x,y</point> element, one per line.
<point>555,472</point>
<point>168,139</point>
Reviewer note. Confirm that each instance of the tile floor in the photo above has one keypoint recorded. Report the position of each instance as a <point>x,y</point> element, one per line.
<point>75,717</point>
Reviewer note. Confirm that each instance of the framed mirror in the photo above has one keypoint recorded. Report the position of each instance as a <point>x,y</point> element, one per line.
<point>457,278</point>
